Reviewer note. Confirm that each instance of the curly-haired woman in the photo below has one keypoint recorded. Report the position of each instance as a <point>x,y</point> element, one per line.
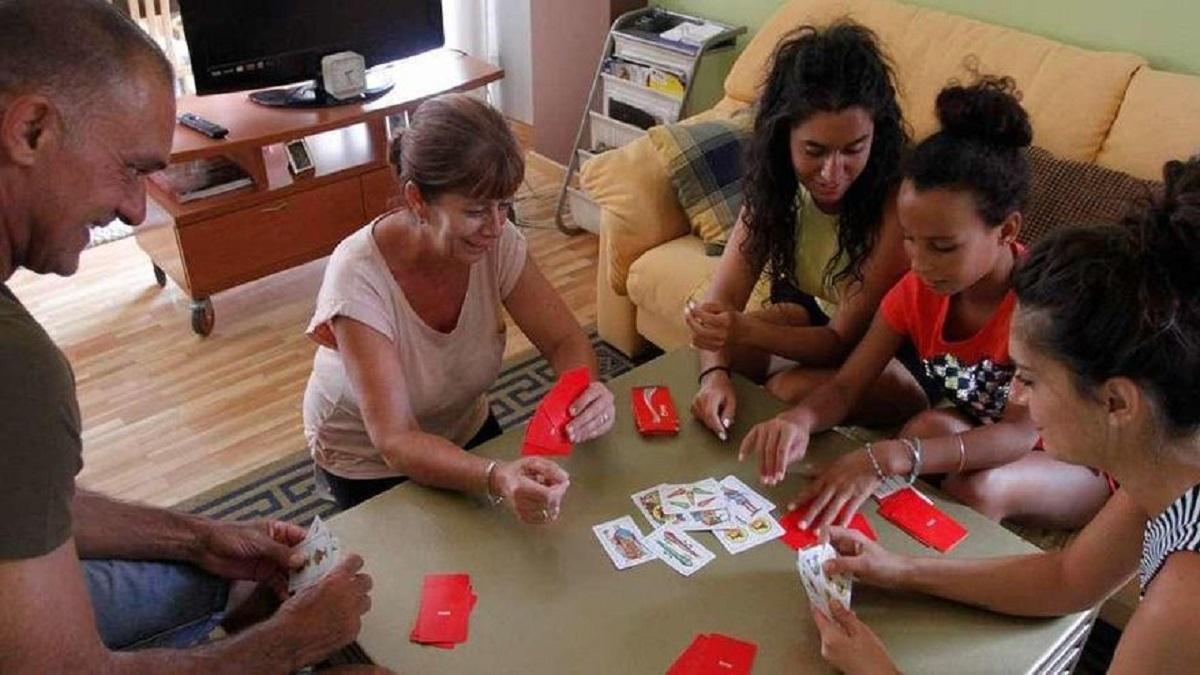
<point>819,217</point>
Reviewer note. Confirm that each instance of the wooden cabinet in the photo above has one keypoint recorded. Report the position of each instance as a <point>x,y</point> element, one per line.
<point>210,245</point>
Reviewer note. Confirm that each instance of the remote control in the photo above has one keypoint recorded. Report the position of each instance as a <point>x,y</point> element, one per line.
<point>198,123</point>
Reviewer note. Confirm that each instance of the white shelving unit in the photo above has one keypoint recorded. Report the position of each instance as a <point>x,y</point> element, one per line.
<point>642,80</point>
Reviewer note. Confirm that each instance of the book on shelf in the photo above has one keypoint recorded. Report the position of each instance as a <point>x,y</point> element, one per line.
<point>197,179</point>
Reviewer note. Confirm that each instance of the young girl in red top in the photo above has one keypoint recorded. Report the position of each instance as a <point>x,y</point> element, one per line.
<point>959,208</point>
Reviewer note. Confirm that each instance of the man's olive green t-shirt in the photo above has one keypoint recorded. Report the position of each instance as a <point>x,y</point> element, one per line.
<point>40,445</point>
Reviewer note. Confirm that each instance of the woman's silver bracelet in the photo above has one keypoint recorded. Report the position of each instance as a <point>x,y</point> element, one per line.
<point>875,463</point>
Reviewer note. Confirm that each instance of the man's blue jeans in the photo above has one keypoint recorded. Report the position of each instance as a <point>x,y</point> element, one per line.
<point>140,604</point>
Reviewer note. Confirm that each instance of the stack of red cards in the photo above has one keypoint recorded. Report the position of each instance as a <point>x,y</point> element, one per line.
<point>547,430</point>
<point>914,513</point>
<point>715,653</point>
<point>446,604</point>
<point>798,537</point>
<point>654,411</point>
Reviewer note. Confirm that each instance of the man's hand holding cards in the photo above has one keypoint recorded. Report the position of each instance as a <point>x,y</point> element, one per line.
<point>321,551</point>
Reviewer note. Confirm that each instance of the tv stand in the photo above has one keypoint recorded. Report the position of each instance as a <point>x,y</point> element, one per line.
<point>281,221</point>
<point>313,95</point>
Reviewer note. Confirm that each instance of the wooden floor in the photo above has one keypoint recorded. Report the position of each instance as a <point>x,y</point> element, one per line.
<point>168,414</point>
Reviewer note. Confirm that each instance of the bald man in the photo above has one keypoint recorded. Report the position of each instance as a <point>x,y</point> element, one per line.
<point>86,112</point>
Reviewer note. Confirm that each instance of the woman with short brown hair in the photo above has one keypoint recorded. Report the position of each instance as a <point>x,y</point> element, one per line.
<point>411,329</point>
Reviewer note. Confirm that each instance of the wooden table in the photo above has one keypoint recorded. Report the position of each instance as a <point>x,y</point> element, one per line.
<point>550,601</point>
<point>213,244</point>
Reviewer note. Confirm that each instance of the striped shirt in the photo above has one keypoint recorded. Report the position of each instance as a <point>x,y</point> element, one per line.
<point>1175,529</point>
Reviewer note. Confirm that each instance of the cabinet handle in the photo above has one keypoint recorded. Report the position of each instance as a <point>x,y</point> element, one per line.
<point>274,208</point>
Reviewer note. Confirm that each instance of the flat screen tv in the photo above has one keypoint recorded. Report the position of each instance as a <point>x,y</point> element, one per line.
<point>251,44</point>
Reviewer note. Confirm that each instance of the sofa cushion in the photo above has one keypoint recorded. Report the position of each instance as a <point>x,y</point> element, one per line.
<point>704,161</point>
<point>664,278</point>
<point>1066,192</point>
<point>1159,120</point>
<point>639,209</point>
<point>1072,94</point>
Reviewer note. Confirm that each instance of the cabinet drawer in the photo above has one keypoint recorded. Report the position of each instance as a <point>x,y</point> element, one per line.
<point>248,244</point>
<point>380,191</point>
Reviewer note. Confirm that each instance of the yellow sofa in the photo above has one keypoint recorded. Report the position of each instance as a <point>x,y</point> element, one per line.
<point>1102,107</point>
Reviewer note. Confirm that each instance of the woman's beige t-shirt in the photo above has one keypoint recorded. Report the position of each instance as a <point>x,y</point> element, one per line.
<point>447,375</point>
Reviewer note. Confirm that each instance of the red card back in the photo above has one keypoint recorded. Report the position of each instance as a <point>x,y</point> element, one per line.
<point>654,411</point>
<point>925,522</point>
<point>797,537</point>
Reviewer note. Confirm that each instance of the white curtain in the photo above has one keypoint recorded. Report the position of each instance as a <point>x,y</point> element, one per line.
<point>154,16</point>
<point>470,26</point>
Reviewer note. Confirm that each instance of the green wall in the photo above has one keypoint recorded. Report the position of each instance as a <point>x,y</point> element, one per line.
<point>1165,32</point>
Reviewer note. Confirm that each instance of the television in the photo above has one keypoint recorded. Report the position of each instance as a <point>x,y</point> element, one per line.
<point>251,44</point>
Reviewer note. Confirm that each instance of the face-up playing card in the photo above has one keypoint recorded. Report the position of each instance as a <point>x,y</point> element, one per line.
<point>682,553</point>
<point>321,550</point>
<point>745,504</point>
<point>623,542</point>
<point>649,503</point>
<point>822,588</point>
<point>712,519</point>
<point>703,495</point>
<point>801,537</point>
<point>746,536</point>
<point>914,513</point>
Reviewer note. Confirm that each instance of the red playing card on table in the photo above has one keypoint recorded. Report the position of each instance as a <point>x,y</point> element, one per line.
<point>445,611</point>
<point>915,514</point>
<point>547,430</point>
<point>797,537</point>
<point>715,654</point>
<point>654,411</point>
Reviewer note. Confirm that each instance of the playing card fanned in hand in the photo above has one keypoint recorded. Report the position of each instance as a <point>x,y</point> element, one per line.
<point>322,552</point>
<point>678,550</point>
<point>547,430</point>
<point>445,611</point>
<point>623,542</point>
<point>822,588</point>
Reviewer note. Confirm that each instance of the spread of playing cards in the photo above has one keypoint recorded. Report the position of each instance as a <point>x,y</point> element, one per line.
<point>735,515</point>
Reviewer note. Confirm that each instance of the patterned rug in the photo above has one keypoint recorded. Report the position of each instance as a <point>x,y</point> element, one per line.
<point>284,490</point>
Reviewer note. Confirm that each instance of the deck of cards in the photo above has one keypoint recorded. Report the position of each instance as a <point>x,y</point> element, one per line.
<point>322,551</point>
<point>822,588</point>
<point>737,516</point>
<point>445,612</point>
<point>715,653</point>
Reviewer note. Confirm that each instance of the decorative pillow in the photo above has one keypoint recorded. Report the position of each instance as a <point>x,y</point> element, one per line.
<point>1067,192</point>
<point>704,161</point>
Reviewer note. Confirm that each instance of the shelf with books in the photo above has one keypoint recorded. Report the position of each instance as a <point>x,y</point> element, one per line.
<point>646,76</point>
